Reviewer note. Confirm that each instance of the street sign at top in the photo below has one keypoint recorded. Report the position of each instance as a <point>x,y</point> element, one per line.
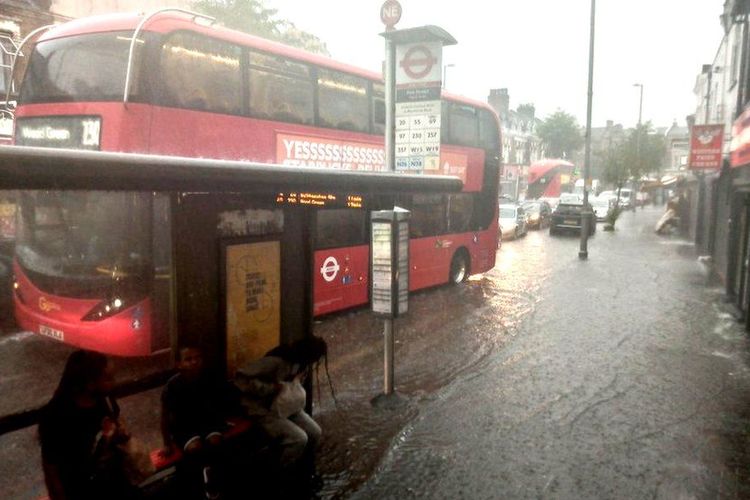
<point>390,13</point>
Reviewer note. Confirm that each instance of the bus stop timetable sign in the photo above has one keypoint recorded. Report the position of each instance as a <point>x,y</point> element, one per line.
<point>418,82</point>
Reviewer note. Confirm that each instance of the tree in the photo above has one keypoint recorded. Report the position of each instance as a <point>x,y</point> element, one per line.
<point>560,135</point>
<point>641,152</point>
<point>252,16</point>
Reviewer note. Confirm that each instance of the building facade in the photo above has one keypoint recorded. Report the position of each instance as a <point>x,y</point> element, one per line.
<point>521,145</point>
<point>720,199</point>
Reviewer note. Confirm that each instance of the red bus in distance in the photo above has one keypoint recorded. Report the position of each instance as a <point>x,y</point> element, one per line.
<point>549,178</point>
<point>201,91</point>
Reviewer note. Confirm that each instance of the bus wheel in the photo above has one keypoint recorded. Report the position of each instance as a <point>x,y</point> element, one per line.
<point>459,267</point>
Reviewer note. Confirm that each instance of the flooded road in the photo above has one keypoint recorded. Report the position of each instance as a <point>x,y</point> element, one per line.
<point>618,377</point>
<point>547,377</point>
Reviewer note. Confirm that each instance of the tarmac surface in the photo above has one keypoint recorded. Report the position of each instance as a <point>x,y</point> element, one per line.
<point>617,377</point>
<point>548,377</point>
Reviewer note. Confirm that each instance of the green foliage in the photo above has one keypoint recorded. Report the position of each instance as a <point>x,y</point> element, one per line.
<point>252,16</point>
<point>641,152</point>
<point>612,215</point>
<point>560,134</point>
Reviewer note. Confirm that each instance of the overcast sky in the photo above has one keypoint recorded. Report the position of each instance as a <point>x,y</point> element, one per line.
<point>538,49</point>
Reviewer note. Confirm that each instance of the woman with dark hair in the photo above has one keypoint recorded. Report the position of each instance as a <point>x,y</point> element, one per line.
<point>272,393</point>
<point>79,419</point>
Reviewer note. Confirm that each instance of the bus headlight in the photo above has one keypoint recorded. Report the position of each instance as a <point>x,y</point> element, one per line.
<point>105,309</point>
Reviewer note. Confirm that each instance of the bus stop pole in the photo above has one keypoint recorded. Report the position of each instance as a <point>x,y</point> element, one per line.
<point>390,126</point>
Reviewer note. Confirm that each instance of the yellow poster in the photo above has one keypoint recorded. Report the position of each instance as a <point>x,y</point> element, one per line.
<point>253,291</point>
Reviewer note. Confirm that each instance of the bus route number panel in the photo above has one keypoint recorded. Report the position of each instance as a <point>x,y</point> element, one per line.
<point>417,141</point>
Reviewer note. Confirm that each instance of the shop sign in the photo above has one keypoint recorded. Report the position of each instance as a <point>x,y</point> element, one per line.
<point>706,142</point>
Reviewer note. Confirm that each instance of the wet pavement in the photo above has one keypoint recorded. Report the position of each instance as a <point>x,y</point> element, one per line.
<point>549,377</point>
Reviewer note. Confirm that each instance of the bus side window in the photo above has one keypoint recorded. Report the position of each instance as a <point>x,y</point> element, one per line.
<point>462,125</point>
<point>342,101</point>
<point>201,73</point>
<point>460,212</point>
<point>378,108</point>
<point>341,227</point>
<point>428,215</point>
<point>280,89</point>
<point>489,136</point>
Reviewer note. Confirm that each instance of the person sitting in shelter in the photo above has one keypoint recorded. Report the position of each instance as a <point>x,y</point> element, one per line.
<point>194,410</point>
<point>79,421</point>
<point>273,394</point>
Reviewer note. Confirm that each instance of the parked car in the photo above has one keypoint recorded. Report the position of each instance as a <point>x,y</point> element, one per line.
<point>567,217</point>
<point>571,198</point>
<point>512,221</point>
<point>601,207</point>
<point>538,213</point>
<point>626,198</point>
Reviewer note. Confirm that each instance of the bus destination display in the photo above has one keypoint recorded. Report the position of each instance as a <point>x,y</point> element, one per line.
<point>320,200</point>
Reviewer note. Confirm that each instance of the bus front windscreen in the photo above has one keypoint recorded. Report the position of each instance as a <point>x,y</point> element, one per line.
<point>85,244</point>
<point>81,68</point>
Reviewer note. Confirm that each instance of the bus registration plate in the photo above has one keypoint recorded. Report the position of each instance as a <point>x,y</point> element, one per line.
<point>569,221</point>
<point>52,333</point>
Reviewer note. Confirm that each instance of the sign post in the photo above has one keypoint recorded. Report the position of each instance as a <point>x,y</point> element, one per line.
<point>389,283</point>
<point>416,78</point>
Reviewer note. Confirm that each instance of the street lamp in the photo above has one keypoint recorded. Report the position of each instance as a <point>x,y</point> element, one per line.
<point>586,215</point>
<point>633,192</point>
<point>445,71</point>
<point>640,105</point>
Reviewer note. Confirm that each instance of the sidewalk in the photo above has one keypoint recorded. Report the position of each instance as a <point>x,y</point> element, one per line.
<point>619,377</point>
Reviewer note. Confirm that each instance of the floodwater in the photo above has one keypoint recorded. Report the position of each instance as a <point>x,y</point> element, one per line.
<point>618,377</point>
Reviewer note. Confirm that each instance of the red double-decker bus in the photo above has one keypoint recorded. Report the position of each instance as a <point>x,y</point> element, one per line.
<point>171,84</point>
<point>549,178</point>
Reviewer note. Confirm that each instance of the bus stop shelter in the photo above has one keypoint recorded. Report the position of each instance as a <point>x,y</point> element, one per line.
<point>212,229</point>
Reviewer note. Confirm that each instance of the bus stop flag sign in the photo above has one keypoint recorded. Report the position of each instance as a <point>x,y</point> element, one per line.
<point>418,81</point>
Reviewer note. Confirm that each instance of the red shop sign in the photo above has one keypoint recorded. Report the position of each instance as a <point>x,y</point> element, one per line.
<point>706,143</point>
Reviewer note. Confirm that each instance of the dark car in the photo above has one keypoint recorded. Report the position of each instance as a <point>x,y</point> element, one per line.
<point>567,217</point>
<point>538,214</point>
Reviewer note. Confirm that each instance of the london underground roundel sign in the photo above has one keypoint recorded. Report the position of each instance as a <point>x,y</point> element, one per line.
<point>418,62</point>
<point>390,13</point>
